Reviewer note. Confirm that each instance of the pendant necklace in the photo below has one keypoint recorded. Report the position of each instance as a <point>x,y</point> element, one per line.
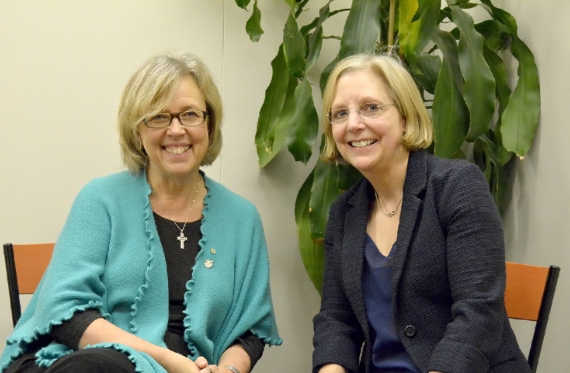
<point>391,213</point>
<point>182,237</point>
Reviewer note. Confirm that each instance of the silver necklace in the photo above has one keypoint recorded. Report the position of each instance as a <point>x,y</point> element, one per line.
<point>391,213</point>
<point>182,237</point>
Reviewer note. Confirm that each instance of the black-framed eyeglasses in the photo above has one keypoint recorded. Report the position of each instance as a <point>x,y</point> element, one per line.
<point>369,110</point>
<point>188,118</point>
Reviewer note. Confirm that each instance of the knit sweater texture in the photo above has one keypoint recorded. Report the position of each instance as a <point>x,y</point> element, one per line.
<point>109,257</point>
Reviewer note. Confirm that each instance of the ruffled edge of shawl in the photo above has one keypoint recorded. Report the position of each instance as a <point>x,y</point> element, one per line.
<point>270,341</point>
<point>19,342</point>
<point>190,284</point>
<point>149,222</point>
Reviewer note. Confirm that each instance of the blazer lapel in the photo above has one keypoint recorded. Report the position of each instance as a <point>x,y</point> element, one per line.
<point>353,245</point>
<point>354,234</point>
<point>414,187</point>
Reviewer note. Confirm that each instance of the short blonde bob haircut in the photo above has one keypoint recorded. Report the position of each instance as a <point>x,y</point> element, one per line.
<point>402,90</point>
<point>149,91</point>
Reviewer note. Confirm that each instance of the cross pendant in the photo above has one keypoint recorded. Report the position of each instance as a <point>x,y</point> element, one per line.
<point>181,238</point>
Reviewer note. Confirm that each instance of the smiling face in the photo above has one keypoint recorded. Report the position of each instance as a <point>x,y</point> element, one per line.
<point>175,152</point>
<point>368,144</point>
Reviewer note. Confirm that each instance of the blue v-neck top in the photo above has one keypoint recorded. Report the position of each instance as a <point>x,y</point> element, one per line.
<point>388,353</point>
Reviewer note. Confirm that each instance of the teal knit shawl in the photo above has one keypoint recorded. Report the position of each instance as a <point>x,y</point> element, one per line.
<point>109,258</point>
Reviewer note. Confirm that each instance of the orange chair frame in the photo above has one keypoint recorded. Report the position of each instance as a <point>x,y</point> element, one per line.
<point>528,296</point>
<point>25,266</point>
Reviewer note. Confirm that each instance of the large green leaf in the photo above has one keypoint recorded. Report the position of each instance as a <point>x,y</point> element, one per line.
<point>253,24</point>
<point>294,47</point>
<point>479,88</point>
<point>498,177</point>
<point>503,92</point>
<point>315,40</point>
<point>312,205</point>
<point>520,118</point>
<point>406,11</point>
<point>242,3</point>
<point>427,70</point>
<point>303,198</point>
<point>449,112</point>
<point>495,38</point>
<point>325,190</point>
<point>362,28</point>
<point>312,252</point>
<point>330,180</point>
<point>277,109</point>
<point>292,3</point>
<point>467,5</point>
<point>315,44</point>
<point>320,189</point>
<point>385,24</point>
<point>416,26</point>
<point>479,158</point>
<point>304,124</point>
<point>347,177</point>
<point>499,70</point>
<point>423,8</point>
<point>301,7</point>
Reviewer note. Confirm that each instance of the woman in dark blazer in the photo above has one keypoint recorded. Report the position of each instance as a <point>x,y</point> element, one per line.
<point>415,264</point>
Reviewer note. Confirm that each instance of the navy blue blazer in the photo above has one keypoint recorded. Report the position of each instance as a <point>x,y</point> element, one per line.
<point>448,275</point>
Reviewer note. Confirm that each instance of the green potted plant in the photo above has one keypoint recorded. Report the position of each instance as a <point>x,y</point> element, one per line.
<point>458,64</point>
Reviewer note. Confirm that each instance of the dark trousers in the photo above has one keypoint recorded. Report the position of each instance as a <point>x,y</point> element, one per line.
<point>90,360</point>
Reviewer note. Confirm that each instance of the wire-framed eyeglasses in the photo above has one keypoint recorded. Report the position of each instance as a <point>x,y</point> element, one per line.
<point>369,110</point>
<point>188,118</point>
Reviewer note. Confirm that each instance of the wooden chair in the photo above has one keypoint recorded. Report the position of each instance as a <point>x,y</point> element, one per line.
<point>25,266</point>
<point>528,296</point>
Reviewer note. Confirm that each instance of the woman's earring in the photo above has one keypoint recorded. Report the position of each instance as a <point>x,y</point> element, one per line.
<point>140,143</point>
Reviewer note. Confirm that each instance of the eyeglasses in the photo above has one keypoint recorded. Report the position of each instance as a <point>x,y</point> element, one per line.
<point>369,110</point>
<point>189,118</point>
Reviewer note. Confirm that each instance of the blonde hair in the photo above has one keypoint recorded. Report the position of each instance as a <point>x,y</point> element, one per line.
<point>150,90</point>
<point>402,90</point>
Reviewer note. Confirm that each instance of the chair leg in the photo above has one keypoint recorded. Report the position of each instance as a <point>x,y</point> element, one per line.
<point>13,290</point>
<point>543,315</point>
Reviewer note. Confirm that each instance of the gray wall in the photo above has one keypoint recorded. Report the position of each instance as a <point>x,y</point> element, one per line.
<point>64,64</point>
<point>536,222</point>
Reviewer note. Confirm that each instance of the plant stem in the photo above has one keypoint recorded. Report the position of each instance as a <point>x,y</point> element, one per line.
<point>392,15</point>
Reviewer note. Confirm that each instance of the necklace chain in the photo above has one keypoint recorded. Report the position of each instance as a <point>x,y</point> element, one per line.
<point>391,213</point>
<point>182,237</point>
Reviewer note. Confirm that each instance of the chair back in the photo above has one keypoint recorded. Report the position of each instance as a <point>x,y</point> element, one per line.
<point>528,296</point>
<point>25,266</point>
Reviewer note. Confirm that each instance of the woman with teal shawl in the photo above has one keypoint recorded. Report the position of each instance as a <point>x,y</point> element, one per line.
<point>158,268</point>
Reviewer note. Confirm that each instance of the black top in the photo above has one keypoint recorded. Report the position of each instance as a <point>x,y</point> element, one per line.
<point>179,264</point>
